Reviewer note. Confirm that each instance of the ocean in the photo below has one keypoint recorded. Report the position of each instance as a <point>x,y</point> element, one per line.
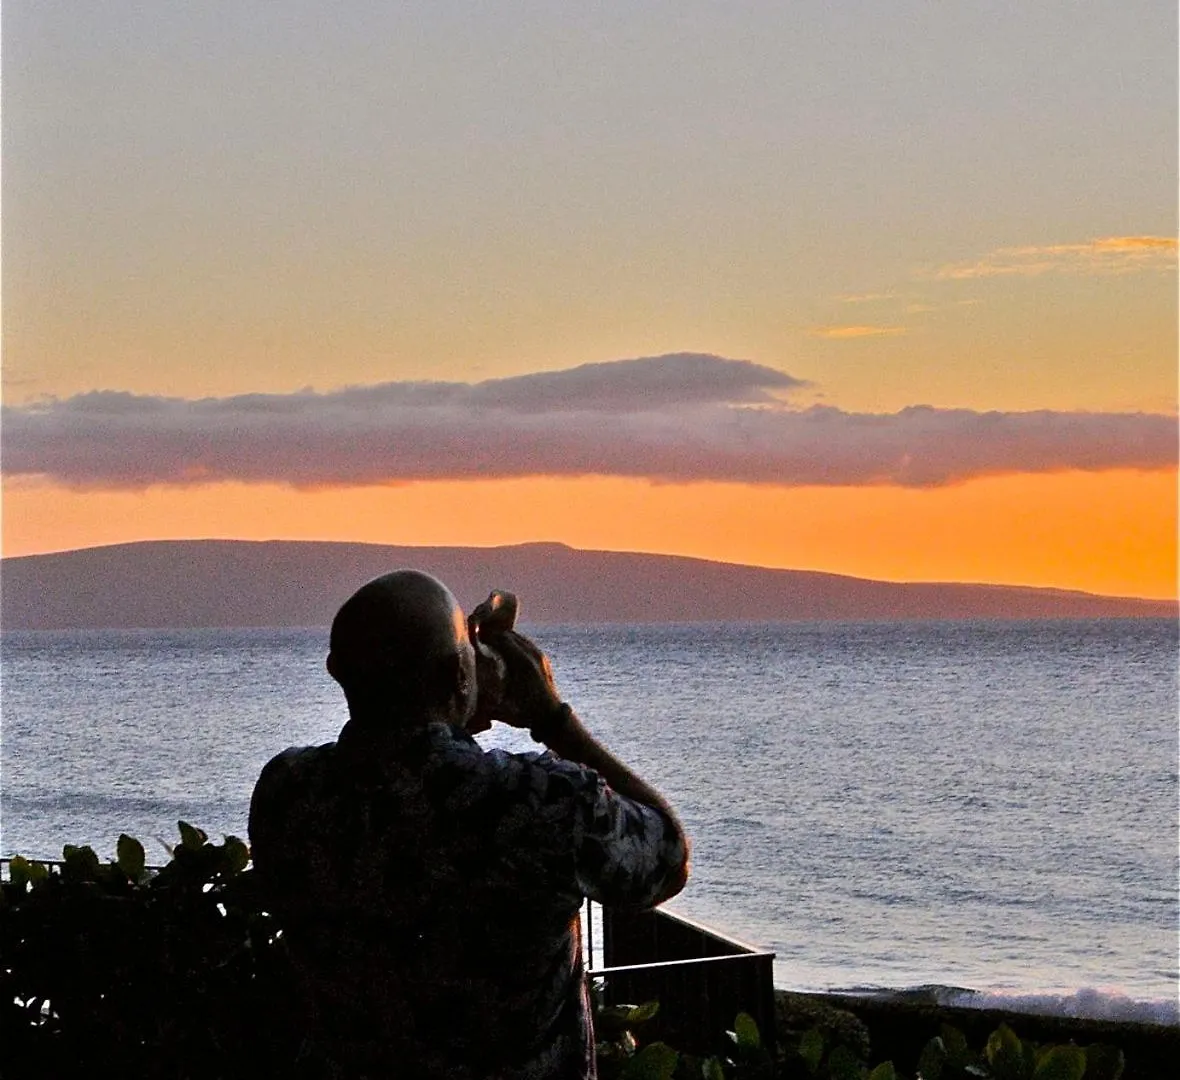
<point>985,807</point>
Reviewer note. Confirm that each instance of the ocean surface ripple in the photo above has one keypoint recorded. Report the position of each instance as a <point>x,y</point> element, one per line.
<point>988,805</point>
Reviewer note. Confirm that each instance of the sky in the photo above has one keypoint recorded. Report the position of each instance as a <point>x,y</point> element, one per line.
<point>885,290</point>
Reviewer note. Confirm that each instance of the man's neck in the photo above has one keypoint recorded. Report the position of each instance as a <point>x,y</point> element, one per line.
<point>386,734</point>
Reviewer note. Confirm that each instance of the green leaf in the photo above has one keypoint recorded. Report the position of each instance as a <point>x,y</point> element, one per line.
<point>1104,1062</point>
<point>843,1064</point>
<point>191,836</point>
<point>711,1069</point>
<point>1061,1063</point>
<point>811,1048</point>
<point>884,1071</point>
<point>610,1020</point>
<point>958,1053</point>
<point>38,872</point>
<point>1002,1040</point>
<point>637,1014</point>
<point>656,1061</point>
<point>237,854</point>
<point>1005,1054</point>
<point>18,872</point>
<point>932,1059</point>
<point>616,1012</point>
<point>130,856</point>
<point>746,1030</point>
<point>81,863</point>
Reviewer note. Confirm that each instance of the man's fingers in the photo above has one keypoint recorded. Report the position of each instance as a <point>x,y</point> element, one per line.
<point>510,643</point>
<point>526,644</point>
<point>530,679</point>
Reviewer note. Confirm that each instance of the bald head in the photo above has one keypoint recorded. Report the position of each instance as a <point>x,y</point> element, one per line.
<point>399,649</point>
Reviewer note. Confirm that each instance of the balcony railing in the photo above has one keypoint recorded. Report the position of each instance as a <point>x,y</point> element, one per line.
<point>701,977</point>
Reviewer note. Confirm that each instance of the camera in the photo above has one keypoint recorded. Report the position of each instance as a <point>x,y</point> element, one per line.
<point>485,624</point>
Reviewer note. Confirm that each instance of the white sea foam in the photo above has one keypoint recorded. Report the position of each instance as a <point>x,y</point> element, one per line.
<point>1089,1002</point>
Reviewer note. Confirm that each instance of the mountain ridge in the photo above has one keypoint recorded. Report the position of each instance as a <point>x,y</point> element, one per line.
<point>227,582</point>
<point>221,583</point>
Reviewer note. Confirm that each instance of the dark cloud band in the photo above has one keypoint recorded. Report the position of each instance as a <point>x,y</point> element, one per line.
<point>679,418</point>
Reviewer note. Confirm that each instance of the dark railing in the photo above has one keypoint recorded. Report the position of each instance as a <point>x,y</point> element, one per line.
<point>701,977</point>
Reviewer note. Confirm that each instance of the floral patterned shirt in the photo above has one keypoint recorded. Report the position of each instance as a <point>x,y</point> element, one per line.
<point>430,893</point>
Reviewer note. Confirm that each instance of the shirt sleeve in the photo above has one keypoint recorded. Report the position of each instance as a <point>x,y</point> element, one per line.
<point>557,825</point>
<point>626,853</point>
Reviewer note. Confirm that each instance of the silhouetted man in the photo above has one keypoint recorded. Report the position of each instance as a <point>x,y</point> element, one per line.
<point>429,889</point>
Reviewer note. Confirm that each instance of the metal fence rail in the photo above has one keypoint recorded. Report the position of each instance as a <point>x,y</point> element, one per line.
<point>701,977</point>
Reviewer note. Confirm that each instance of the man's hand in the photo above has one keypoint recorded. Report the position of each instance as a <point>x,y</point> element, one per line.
<point>530,693</point>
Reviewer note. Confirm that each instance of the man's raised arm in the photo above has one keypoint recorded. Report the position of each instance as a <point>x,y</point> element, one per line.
<point>533,702</point>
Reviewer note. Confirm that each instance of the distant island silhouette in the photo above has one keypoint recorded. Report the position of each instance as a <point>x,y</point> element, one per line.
<point>212,583</point>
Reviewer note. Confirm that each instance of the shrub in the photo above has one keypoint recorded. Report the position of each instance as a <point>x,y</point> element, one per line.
<point>177,973</point>
<point>181,973</point>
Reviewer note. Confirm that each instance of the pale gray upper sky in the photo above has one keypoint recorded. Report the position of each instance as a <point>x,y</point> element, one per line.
<point>232,195</point>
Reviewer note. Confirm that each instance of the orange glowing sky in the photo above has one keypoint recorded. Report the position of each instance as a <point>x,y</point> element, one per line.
<point>201,205</point>
<point>1111,533</point>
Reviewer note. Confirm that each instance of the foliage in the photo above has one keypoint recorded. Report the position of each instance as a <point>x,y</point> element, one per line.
<point>622,1057</point>
<point>1006,1057</point>
<point>947,1056</point>
<point>180,973</point>
<point>110,966</point>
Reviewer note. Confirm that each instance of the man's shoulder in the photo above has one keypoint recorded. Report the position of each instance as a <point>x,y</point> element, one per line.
<point>300,758</point>
<point>294,766</point>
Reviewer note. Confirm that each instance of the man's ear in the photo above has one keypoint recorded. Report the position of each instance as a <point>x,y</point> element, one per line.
<point>330,664</point>
<point>450,675</point>
<point>455,681</point>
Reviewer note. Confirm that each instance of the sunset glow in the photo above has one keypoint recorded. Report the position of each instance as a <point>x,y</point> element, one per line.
<point>1112,533</point>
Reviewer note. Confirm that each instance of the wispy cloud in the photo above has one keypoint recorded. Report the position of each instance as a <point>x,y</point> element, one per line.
<point>866,298</point>
<point>839,333</point>
<point>1106,255</point>
<point>673,418</point>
